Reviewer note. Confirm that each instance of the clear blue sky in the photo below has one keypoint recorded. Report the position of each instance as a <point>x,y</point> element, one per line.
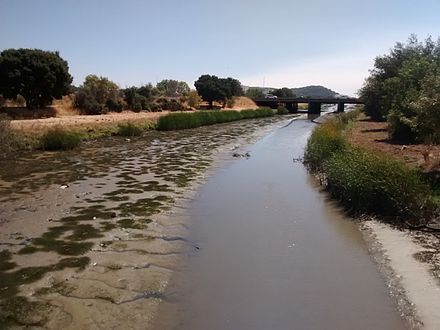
<point>281,42</point>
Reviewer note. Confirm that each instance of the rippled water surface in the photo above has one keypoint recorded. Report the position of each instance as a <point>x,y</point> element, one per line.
<point>274,253</point>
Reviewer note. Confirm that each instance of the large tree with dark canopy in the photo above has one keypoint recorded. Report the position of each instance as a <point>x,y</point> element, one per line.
<point>37,75</point>
<point>212,88</point>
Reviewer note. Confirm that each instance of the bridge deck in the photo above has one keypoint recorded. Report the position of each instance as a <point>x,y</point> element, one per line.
<point>332,100</point>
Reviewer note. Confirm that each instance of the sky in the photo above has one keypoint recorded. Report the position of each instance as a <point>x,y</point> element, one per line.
<point>274,43</point>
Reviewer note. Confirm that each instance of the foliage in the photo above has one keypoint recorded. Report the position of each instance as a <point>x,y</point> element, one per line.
<point>367,182</point>
<point>364,181</point>
<point>283,92</point>
<point>60,139</point>
<point>170,104</point>
<point>98,95</point>
<point>427,109</point>
<point>254,93</point>
<point>212,88</point>
<point>402,89</point>
<point>37,75</point>
<point>177,121</point>
<point>326,140</point>
<point>193,99</point>
<point>9,140</point>
<point>135,100</point>
<point>282,110</point>
<point>172,88</point>
<point>128,129</point>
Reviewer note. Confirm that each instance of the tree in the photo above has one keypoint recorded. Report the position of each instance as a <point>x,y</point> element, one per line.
<point>98,95</point>
<point>254,93</point>
<point>173,88</point>
<point>212,88</point>
<point>283,92</point>
<point>209,88</point>
<point>37,75</point>
<point>402,89</point>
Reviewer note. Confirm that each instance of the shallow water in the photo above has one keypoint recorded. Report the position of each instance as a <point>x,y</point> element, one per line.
<point>273,252</point>
<point>88,235</point>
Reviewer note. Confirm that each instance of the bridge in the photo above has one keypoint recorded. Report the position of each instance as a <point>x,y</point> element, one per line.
<point>314,104</point>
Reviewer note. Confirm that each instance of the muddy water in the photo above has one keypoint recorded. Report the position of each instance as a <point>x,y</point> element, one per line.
<point>274,253</point>
<point>89,238</point>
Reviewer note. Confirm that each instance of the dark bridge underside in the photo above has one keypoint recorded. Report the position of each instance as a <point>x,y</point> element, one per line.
<point>291,103</point>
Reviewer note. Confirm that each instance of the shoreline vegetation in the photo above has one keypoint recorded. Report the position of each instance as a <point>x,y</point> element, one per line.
<point>57,137</point>
<point>366,181</point>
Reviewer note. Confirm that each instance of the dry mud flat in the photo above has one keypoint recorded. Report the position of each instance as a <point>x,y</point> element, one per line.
<point>410,261</point>
<point>89,238</point>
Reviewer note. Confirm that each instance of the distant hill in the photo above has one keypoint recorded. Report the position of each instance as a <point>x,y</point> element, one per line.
<point>307,91</point>
<point>314,91</point>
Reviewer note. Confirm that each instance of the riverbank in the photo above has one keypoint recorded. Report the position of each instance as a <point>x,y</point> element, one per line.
<point>408,258</point>
<point>68,132</point>
<point>89,238</point>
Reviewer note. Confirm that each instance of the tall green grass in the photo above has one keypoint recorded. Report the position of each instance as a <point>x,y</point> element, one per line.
<point>60,139</point>
<point>365,181</point>
<point>128,129</point>
<point>185,120</point>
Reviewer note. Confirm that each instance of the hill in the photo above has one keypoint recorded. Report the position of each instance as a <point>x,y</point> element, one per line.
<point>314,91</point>
<point>307,91</point>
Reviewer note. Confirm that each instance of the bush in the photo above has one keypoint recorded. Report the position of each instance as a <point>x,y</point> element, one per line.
<point>366,182</point>
<point>282,110</point>
<point>401,128</point>
<point>98,95</point>
<point>196,119</point>
<point>8,138</point>
<point>60,139</point>
<point>325,140</point>
<point>128,129</point>
<point>194,99</point>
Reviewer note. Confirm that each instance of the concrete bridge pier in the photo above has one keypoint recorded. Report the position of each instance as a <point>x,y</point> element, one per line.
<point>292,107</point>
<point>341,107</point>
<point>314,108</point>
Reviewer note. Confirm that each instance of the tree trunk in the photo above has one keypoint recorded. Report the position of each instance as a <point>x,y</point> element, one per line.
<point>210,104</point>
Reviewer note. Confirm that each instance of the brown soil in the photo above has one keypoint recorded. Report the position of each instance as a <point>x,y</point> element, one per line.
<point>84,122</point>
<point>373,135</point>
<point>243,103</point>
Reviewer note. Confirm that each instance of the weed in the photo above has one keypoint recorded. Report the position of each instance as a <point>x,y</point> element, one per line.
<point>60,139</point>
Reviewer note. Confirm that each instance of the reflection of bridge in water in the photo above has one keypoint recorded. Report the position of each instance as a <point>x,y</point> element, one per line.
<point>314,104</point>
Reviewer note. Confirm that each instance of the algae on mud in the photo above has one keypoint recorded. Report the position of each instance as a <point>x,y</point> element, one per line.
<point>106,222</point>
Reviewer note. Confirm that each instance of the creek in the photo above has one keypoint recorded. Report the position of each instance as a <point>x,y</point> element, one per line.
<point>273,252</point>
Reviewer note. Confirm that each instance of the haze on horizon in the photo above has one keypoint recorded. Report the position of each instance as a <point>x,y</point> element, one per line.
<point>276,43</point>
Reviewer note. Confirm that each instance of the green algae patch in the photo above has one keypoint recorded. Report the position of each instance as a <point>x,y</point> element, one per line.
<point>19,311</point>
<point>58,246</point>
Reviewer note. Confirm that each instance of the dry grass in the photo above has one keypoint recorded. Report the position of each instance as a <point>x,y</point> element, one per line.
<point>64,107</point>
<point>84,123</point>
<point>373,135</point>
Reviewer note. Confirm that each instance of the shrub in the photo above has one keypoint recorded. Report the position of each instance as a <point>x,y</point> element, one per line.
<point>98,95</point>
<point>194,99</point>
<point>7,137</point>
<point>367,182</point>
<point>60,139</point>
<point>196,119</point>
<point>282,110</point>
<point>128,129</point>
<point>325,140</point>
